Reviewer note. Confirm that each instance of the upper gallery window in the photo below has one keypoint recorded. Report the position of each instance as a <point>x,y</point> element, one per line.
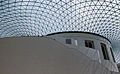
<point>112,54</point>
<point>68,41</point>
<point>105,52</point>
<point>89,43</point>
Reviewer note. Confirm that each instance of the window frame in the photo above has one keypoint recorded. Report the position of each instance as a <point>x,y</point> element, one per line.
<point>112,54</point>
<point>105,51</point>
<point>68,41</point>
<point>87,44</point>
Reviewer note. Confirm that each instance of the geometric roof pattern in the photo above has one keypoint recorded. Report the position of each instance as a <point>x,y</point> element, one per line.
<point>42,17</point>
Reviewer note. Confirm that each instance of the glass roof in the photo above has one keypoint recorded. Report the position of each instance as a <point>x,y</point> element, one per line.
<point>42,17</point>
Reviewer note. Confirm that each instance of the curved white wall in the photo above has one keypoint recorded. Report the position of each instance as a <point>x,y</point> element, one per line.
<point>36,55</point>
<point>95,54</point>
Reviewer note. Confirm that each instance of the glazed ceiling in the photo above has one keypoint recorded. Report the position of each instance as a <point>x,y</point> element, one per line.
<point>42,17</point>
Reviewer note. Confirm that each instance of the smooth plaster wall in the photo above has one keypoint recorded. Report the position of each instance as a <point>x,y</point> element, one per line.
<point>36,55</point>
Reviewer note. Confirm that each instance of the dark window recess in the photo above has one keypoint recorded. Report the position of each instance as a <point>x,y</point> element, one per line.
<point>105,52</point>
<point>89,43</point>
<point>68,41</point>
<point>112,54</point>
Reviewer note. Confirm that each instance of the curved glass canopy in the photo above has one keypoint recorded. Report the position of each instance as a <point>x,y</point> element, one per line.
<point>42,17</point>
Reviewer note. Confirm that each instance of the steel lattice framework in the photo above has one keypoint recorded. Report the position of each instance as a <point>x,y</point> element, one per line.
<point>42,17</point>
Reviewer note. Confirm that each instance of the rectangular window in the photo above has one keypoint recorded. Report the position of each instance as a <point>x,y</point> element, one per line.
<point>68,41</point>
<point>112,54</point>
<point>89,43</point>
<point>105,52</point>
